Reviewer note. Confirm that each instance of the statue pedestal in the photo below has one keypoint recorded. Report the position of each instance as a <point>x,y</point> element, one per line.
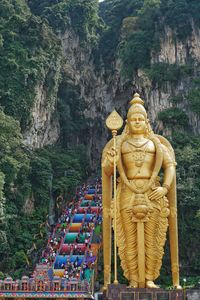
<point>122,292</point>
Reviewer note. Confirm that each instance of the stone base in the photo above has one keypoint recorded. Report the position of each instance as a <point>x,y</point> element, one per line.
<point>122,292</point>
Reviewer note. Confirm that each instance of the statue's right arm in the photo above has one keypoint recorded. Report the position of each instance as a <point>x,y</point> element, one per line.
<point>107,163</point>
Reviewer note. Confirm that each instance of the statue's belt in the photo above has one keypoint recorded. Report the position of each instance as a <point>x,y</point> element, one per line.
<point>127,196</point>
<point>137,183</point>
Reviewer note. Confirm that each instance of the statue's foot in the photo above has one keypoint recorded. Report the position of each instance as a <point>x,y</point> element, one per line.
<point>150,284</point>
<point>133,284</point>
<point>178,287</point>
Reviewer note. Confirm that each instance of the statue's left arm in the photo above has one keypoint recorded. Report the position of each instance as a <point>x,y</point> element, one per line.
<point>169,172</point>
<point>168,167</point>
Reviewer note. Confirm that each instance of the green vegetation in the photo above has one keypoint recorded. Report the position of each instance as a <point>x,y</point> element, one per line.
<point>178,15</point>
<point>136,27</point>
<point>27,46</point>
<point>30,55</point>
<point>194,96</point>
<point>173,116</point>
<point>135,49</point>
<point>13,164</point>
<point>113,14</point>
<point>60,168</point>
<point>81,15</point>
<point>135,21</point>
<point>188,171</point>
<point>194,99</point>
<point>161,73</point>
<point>176,99</point>
<point>68,167</point>
<point>27,178</point>
<point>71,107</point>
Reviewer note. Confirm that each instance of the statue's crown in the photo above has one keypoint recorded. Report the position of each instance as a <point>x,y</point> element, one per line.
<point>137,106</point>
<point>136,99</point>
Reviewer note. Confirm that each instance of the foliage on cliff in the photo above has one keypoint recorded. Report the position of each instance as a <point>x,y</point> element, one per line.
<point>27,48</point>
<point>26,180</point>
<point>29,56</point>
<point>135,27</point>
<point>81,15</point>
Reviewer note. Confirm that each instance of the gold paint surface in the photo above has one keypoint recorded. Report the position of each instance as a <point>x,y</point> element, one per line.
<point>114,121</point>
<point>144,207</point>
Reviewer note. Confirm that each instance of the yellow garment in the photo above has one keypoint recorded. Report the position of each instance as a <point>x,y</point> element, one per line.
<point>155,235</point>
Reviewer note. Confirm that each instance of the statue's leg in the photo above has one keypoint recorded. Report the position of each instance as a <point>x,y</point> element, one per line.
<point>155,236</point>
<point>130,231</point>
<point>161,238</point>
<point>151,244</point>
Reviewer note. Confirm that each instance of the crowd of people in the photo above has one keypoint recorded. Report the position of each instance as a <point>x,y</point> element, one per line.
<point>79,267</point>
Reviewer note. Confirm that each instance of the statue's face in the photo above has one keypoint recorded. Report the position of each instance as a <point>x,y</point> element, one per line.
<point>137,123</point>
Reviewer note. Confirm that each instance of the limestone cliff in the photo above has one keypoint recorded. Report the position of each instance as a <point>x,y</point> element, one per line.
<point>44,128</point>
<point>173,51</point>
<point>104,89</point>
<point>102,92</point>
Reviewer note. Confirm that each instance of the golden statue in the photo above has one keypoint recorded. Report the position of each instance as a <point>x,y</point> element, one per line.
<point>145,204</point>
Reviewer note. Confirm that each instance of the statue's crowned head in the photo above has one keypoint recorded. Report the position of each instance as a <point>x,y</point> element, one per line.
<point>137,107</point>
<point>137,121</point>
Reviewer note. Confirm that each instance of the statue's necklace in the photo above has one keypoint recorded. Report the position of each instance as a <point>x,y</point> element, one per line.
<point>138,144</point>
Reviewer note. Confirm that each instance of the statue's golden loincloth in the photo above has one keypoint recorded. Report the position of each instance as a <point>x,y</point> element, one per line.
<point>155,228</point>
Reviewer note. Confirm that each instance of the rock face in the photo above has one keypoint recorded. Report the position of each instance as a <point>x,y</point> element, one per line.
<point>103,91</point>
<point>29,206</point>
<point>178,53</point>
<point>175,51</point>
<point>44,128</point>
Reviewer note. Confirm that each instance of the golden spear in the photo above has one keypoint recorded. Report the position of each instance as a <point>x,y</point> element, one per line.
<point>114,122</point>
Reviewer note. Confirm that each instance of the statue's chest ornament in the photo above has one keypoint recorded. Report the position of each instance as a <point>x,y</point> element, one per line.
<point>139,157</point>
<point>157,166</point>
<point>139,152</point>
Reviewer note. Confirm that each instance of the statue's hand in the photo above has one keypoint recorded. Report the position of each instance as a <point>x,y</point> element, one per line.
<point>110,155</point>
<point>158,193</point>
